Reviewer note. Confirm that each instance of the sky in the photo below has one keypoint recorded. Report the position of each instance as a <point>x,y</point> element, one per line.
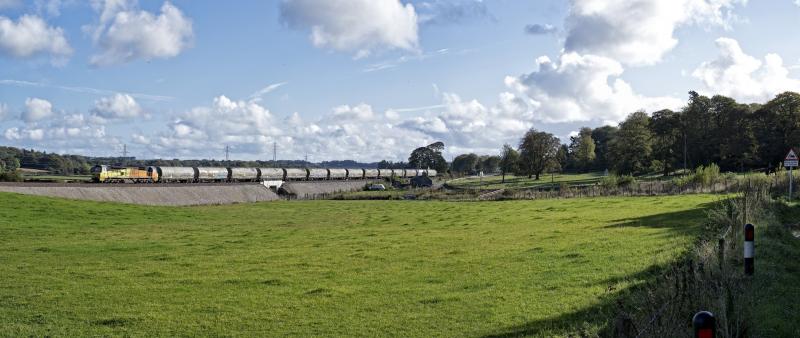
<point>368,79</point>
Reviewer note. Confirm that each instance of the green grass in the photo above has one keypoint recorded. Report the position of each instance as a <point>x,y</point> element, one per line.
<point>776,282</point>
<point>331,268</point>
<point>519,182</point>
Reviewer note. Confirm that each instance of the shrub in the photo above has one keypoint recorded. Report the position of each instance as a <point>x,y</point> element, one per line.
<point>11,176</point>
<point>610,181</point>
<point>626,180</point>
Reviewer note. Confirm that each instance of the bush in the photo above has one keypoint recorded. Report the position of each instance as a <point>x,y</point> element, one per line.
<point>613,181</point>
<point>706,176</point>
<point>11,176</point>
<point>610,181</point>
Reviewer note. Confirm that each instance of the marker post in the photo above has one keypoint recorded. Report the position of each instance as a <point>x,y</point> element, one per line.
<point>704,324</point>
<point>749,248</point>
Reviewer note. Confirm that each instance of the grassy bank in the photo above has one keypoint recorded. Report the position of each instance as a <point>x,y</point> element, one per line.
<point>348,268</point>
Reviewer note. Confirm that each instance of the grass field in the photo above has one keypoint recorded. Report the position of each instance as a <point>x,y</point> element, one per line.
<point>519,182</point>
<point>331,268</point>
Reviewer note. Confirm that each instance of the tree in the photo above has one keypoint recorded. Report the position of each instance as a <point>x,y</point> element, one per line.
<point>667,139</point>
<point>490,164</point>
<point>582,149</point>
<point>631,149</point>
<point>428,157</point>
<point>602,139</point>
<point>464,163</point>
<point>508,160</point>
<point>537,152</point>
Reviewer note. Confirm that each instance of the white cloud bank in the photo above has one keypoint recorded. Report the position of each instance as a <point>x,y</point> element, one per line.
<point>126,33</point>
<point>30,36</point>
<point>583,88</point>
<point>359,26</point>
<point>638,32</point>
<point>743,77</point>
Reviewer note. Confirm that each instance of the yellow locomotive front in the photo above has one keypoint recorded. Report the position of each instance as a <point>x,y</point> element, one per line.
<point>107,174</point>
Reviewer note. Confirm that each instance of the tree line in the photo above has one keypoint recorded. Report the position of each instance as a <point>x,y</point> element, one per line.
<point>708,130</point>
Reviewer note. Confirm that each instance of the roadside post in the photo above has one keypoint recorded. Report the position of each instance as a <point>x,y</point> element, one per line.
<point>704,324</point>
<point>790,162</point>
<point>749,248</point>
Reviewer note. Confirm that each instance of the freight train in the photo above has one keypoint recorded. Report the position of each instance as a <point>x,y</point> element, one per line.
<point>154,174</point>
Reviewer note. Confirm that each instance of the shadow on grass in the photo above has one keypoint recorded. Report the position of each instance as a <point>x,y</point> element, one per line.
<point>674,220</point>
<point>603,314</point>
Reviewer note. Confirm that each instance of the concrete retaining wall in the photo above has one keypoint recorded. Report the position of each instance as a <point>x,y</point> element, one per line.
<point>311,189</point>
<point>150,194</point>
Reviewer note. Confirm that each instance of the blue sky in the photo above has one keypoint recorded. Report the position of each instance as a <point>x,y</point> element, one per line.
<point>368,79</point>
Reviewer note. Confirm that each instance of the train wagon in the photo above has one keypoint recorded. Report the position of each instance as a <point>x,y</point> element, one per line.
<point>272,174</point>
<point>355,174</point>
<point>431,172</point>
<point>371,173</point>
<point>409,172</point>
<point>108,174</point>
<point>244,174</point>
<point>176,174</point>
<point>295,174</point>
<point>212,174</point>
<point>317,174</point>
<point>337,174</point>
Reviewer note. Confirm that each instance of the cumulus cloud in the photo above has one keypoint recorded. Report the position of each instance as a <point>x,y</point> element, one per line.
<point>30,36</point>
<point>638,32</point>
<point>119,106</point>
<point>359,26</point>
<point>36,109</point>
<point>72,133</point>
<point>743,77</point>
<point>126,33</point>
<point>347,131</point>
<point>540,29</point>
<point>583,88</point>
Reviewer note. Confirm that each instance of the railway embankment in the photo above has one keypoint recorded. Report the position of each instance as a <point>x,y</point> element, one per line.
<point>152,194</point>
<point>317,189</point>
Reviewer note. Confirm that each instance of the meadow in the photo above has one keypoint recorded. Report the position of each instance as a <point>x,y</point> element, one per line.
<point>332,268</point>
<point>522,182</point>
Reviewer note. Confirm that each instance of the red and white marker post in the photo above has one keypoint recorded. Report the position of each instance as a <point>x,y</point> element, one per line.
<point>749,248</point>
<point>704,324</point>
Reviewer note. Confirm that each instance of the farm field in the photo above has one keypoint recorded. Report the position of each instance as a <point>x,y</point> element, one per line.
<point>331,268</point>
<point>519,182</point>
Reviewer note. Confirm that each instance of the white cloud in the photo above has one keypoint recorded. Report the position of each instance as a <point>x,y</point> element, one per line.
<point>638,32</point>
<point>744,77</point>
<point>345,132</point>
<point>30,36</point>
<point>36,109</point>
<point>119,106</point>
<point>583,88</point>
<point>437,12</point>
<point>359,26</point>
<point>125,33</point>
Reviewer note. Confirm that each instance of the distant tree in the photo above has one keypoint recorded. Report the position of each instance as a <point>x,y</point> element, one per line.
<point>509,159</point>
<point>428,157</point>
<point>464,163</point>
<point>537,152</point>
<point>667,139</point>
<point>562,158</point>
<point>632,149</point>
<point>490,164</point>
<point>602,137</point>
<point>582,149</point>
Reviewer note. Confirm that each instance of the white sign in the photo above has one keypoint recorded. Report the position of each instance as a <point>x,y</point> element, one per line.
<point>791,159</point>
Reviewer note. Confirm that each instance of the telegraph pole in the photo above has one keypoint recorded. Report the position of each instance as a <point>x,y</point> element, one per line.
<point>227,153</point>
<point>274,153</point>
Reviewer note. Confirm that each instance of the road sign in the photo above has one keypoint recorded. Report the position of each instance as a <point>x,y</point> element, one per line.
<point>791,159</point>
